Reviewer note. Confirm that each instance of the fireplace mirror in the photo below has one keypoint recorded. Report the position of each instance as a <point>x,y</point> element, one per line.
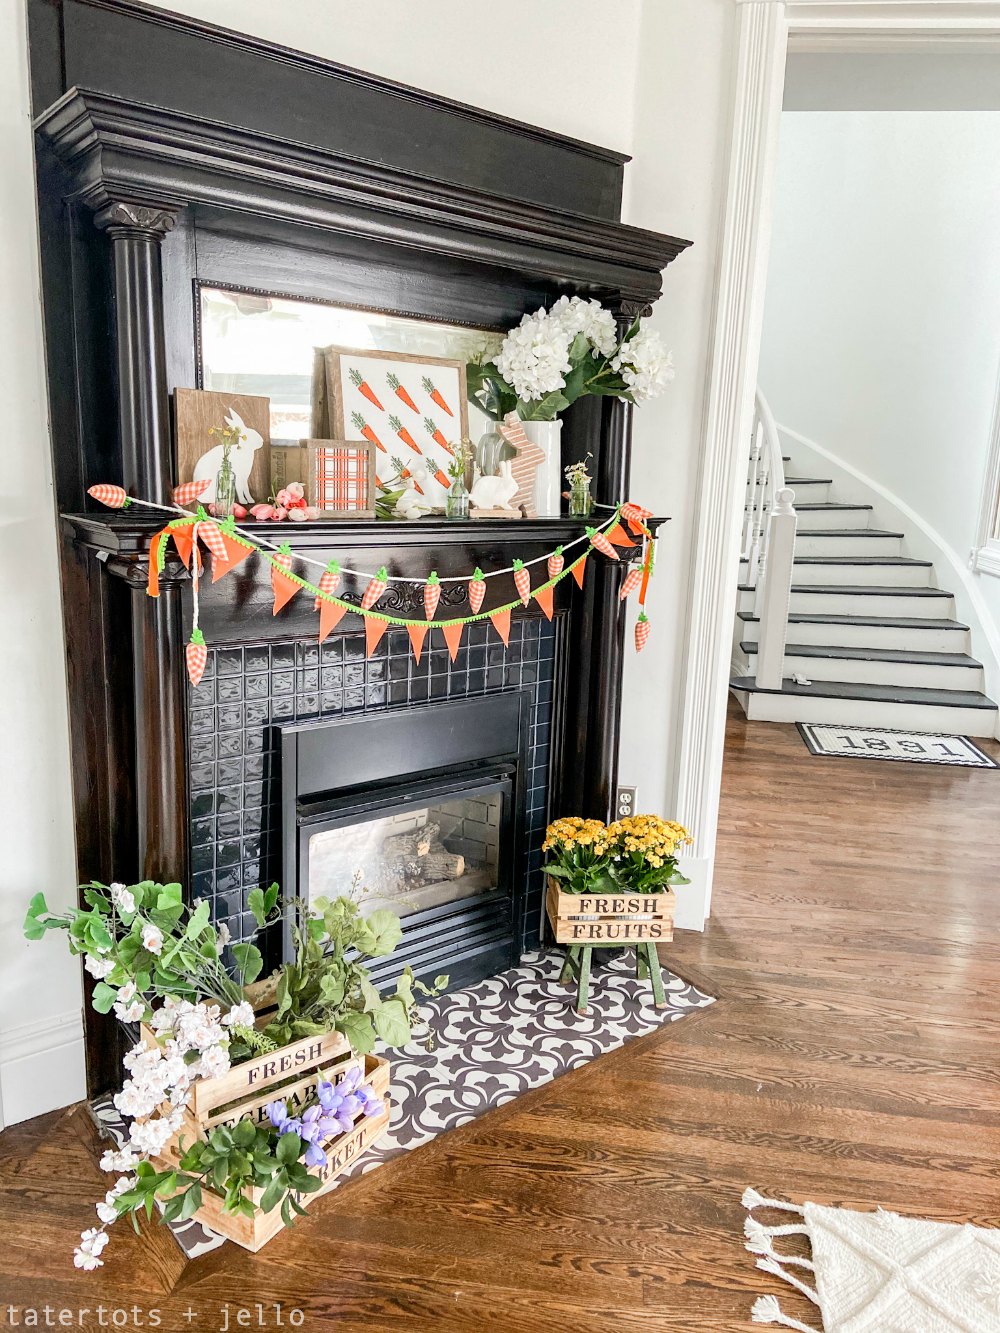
<point>253,342</point>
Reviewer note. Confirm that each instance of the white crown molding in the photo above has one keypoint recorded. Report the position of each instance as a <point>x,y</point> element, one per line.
<point>761,42</point>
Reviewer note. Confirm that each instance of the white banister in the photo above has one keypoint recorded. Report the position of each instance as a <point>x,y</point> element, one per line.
<point>769,544</point>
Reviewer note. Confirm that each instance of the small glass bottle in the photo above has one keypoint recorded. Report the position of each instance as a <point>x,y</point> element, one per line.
<point>580,503</point>
<point>490,452</point>
<point>225,486</point>
<point>457,500</point>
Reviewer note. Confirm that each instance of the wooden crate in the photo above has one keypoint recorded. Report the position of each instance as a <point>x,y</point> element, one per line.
<point>609,918</point>
<point>253,1232</point>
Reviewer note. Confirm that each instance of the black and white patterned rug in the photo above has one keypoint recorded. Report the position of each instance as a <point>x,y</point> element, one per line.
<point>910,747</point>
<point>489,1044</point>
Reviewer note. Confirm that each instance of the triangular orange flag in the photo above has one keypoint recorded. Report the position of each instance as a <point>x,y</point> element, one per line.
<point>417,633</point>
<point>616,536</point>
<point>453,637</point>
<point>183,540</point>
<point>330,615</point>
<point>235,552</point>
<point>155,546</point>
<point>284,587</point>
<point>577,570</point>
<point>375,627</point>
<point>543,596</point>
<point>501,623</point>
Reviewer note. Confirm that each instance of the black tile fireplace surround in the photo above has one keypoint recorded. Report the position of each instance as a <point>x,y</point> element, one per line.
<point>173,154</point>
<point>281,738</point>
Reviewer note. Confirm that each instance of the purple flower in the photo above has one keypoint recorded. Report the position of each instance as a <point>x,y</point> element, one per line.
<point>311,1130</point>
<point>350,1081</point>
<point>277,1113</point>
<point>366,1093</point>
<point>374,1106</point>
<point>345,1121</point>
<point>328,1098</point>
<point>315,1156</point>
<point>352,1105</point>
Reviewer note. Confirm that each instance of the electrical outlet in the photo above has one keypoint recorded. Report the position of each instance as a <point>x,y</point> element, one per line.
<point>625,802</point>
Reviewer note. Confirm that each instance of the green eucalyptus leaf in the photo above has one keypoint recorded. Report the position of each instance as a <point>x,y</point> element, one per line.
<point>391,1023</point>
<point>359,1031</point>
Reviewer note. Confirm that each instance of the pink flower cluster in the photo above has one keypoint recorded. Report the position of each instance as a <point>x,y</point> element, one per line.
<point>290,503</point>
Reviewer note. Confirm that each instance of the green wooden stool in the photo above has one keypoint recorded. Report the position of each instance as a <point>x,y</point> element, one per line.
<point>577,966</point>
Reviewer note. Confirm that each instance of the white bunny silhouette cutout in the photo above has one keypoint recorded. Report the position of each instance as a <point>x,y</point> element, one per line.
<point>241,456</point>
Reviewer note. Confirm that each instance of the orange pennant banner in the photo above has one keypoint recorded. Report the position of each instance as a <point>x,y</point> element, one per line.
<point>375,627</point>
<point>543,596</point>
<point>184,541</point>
<point>501,623</point>
<point>417,635</point>
<point>453,637</point>
<point>617,537</point>
<point>284,588</point>
<point>155,545</point>
<point>578,569</point>
<point>330,616</point>
<point>235,552</point>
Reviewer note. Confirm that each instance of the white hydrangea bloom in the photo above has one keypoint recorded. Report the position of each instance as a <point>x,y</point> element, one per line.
<point>645,365</point>
<point>241,1016</point>
<point>575,315</point>
<point>214,1061</point>
<point>533,357</point>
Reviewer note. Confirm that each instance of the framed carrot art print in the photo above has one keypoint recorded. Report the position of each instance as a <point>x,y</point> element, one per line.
<point>409,407</point>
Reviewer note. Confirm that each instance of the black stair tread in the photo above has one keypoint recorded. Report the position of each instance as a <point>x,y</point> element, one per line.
<point>861,589</point>
<point>882,622</point>
<point>808,481</point>
<point>911,656</point>
<point>835,506</point>
<point>887,694</point>
<point>903,560</point>
<point>849,532</point>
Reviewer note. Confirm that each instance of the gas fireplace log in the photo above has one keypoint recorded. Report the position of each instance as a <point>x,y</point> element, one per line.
<point>442,865</point>
<point>404,847</point>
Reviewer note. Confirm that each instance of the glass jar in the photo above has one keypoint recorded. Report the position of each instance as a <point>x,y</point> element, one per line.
<point>225,488</point>
<point>456,503</point>
<point>580,503</point>
<point>490,452</point>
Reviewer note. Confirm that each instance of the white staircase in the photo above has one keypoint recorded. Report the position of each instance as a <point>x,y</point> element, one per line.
<point>868,638</point>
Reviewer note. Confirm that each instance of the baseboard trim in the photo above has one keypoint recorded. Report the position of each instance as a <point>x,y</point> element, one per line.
<point>42,1066</point>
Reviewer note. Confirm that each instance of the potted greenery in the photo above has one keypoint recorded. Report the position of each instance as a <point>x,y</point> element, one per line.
<point>240,1096</point>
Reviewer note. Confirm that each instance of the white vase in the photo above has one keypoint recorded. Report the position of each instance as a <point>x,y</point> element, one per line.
<point>548,479</point>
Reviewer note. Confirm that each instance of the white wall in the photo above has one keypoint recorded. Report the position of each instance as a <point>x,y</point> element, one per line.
<point>41,1035</point>
<point>882,335</point>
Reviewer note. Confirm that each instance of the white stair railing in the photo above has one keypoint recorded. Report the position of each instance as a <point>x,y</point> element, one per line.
<point>769,544</point>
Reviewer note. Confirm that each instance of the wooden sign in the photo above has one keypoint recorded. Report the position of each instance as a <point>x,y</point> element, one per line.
<point>610,918</point>
<point>199,454</point>
<point>340,477</point>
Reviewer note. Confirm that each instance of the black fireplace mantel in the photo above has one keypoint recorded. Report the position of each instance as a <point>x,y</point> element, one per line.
<point>172,154</point>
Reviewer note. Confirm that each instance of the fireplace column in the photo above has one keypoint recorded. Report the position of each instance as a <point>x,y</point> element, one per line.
<point>136,232</point>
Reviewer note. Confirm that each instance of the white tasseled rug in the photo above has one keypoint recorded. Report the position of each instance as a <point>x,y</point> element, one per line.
<point>878,1272</point>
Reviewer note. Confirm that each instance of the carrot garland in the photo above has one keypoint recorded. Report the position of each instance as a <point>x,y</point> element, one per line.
<point>196,655</point>
<point>362,425</point>
<point>363,387</point>
<point>555,563</point>
<point>435,395</point>
<point>477,590</point>
<point>601,543</point>
<point>376,587</point>
<point>641,631</point>
<point>401,393</point>
<point>329,582</point>
<point>432,594</point>
<point>114,497</point>
<point>522,582</point>
<point>632,580</point>
<point>396,425</point>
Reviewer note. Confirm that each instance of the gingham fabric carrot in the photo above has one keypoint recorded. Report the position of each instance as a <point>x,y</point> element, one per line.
<point>114,497</point>
<point>211,535</point>
<point>641,631</point>
<point>522,582</point>
<point>477,591</point>
<point>329,582</point>
<point>635,516</point>
<point>189,491</point>
<point>555,563</point>
<point>632,580</point>
<point>432,595</point>
<point>197,656</point>
<point>601,543</point>
<point>376,587</point>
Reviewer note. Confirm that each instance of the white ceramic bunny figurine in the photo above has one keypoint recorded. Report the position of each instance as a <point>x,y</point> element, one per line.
<point>241,457</point>
<point>494,492</point>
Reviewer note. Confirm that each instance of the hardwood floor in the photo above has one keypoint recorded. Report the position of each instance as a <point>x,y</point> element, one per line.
<point>851,1059</point>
